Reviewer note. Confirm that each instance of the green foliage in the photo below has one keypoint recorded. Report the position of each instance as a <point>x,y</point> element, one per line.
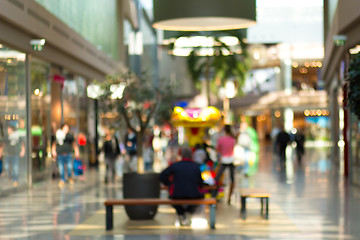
<point>220,67</point>
<point>39,73</point>
<point>141,101</point>
<point>354,85</point>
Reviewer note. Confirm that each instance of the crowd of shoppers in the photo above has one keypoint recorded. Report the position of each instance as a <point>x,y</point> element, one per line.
<point>282,140</point>
<point>186,177</point>
<point>183,174</point>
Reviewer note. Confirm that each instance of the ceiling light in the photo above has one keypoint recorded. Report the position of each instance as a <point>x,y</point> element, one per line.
<point>204,15</point>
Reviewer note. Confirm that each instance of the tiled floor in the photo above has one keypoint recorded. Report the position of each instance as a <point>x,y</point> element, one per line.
<point>308,202</point>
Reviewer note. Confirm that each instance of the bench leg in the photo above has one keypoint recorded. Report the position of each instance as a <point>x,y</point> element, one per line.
<point>243,207</point>
<point>262,206</point>
<point>212,215</point>
<point>267,208</point>
<point>109,217</point>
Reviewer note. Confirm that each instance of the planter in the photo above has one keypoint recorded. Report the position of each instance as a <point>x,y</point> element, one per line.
<point>137,185</point>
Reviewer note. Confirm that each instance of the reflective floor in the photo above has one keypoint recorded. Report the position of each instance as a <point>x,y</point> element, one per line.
<point>309,201</point>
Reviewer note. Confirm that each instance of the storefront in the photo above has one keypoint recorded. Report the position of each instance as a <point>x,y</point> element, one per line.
<point>45,66</point>
<point>13,117</point>
<point>342,31</point>
<point>40,94</point>
<point>353,139</point>
<point>31,113</point>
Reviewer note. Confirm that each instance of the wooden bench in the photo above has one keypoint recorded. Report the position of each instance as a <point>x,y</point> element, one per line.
<point>212,189</point>
<point>204,188</point>
<point>158,201</point>
<point>255,193</point>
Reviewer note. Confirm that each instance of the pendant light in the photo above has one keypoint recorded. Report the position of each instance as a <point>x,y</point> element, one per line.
<point>204,15</point>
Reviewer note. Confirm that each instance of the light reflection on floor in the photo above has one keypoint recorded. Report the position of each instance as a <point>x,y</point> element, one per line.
<point>309,201</point>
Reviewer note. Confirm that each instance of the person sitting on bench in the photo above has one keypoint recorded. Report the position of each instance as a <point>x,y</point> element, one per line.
<point>184,181</point>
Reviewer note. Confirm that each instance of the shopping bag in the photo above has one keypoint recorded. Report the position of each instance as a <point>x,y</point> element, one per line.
<point>78,167</point>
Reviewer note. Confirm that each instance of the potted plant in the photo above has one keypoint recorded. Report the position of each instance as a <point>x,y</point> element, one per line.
<point>354,85</point>
<point>138,102</point>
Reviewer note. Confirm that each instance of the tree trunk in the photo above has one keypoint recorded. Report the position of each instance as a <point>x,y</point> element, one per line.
<point>139,151</point>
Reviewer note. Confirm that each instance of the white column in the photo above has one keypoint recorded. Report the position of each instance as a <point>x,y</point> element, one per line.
<point>288,125</point>
<point>288,119</point>
<point>287,75</point>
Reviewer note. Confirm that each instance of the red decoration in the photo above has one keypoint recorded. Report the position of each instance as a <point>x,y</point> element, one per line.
<point>82,139</point>
<point>59,79</point>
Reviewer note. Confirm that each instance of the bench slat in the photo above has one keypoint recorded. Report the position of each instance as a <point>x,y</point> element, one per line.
<point>254,193</point>
<point>159,201</point>
<point>204,188</point>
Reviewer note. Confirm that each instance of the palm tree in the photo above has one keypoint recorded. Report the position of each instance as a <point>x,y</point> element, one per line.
<point>225,62</point>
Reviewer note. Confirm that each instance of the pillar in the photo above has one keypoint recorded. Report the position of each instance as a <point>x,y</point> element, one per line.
<point>28,146</point>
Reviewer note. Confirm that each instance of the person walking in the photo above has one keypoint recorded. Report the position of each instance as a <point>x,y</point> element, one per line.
<point>148,151</point>
<point>184,181</point>
<point>282,140</point>
<point>131,150</point>
<point>62,149</point>
<point>111,151</point>
<point>225,147</point>
<point>300,142</point>
<point>244,141</point>
<point>14,150</point>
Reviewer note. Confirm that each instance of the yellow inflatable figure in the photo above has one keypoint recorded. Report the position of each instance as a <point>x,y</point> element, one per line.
<point>195,135</point>
<point>195,120</point>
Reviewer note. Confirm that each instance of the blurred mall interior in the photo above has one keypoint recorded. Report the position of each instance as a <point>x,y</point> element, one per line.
<point>294,60</point>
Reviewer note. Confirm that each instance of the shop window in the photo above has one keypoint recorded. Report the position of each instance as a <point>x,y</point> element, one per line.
<point>12,118</point>
<point>40,118</point>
